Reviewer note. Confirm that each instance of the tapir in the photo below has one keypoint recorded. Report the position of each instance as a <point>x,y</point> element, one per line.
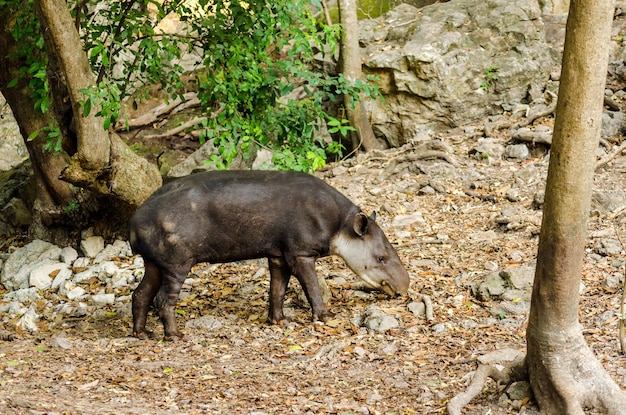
<point>290,218</point>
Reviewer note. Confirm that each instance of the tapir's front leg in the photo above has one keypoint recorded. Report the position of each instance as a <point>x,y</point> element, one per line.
<point>304,270</point>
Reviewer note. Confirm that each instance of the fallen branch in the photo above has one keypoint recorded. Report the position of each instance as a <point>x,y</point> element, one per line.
<point>503,366</point>
<point>176,130</point>
<point>532,116</point>
<point>190,99</point>
<point>527,136</point>
<point>611,155</point>
<point>433,149</point>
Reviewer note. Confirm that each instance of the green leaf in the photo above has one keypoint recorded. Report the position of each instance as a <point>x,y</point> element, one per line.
<point>87,107</point>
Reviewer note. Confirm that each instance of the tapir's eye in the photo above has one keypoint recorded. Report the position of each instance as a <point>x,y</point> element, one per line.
<point>381,259</point>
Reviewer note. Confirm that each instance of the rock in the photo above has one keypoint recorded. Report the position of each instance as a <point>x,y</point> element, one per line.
<point>607,247</point>
<point>521,277</point>
<point>63,275</point>
<point>23,295</point>
<point>17,268</point>
<point>205,322</point>
<point>82,262</point>
<point>402,221</point>
<point>69,255</point>
<point>613,124</point>
<point>117,249</point>
<point>29,321</point>
<point>488,147</point>
<point>40,276</point>
<point>519,390</point>
<point>452,63</point>
<point>92,245</point>
<point>493,285</point>
<point>417,308</point>
<point>376,320</point>
<point>100,300</point>
<point>517,151</point>
<point>102,271</point>
<point>61,342</point>
<point>608,201</point>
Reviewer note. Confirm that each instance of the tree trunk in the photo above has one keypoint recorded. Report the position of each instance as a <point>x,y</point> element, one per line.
<point>109,180</point>
<point>351,66</point>
<point>64,45</point>
<point>564,374</point>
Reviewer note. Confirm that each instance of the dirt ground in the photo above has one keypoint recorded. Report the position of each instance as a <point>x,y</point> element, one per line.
<point>238,364</point>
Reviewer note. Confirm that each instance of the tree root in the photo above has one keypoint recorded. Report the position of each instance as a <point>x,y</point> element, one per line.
<point>503,366</point>
<point>563,379</point>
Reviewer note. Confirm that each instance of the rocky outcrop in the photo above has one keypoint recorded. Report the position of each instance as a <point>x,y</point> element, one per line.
<point>453,63</point>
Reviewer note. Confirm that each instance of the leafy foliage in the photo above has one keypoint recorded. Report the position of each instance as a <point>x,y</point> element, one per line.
<point>243,58</point>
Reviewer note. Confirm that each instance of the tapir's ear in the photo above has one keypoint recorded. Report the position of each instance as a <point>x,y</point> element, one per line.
<point>360,223</point>
<point>373,216</point>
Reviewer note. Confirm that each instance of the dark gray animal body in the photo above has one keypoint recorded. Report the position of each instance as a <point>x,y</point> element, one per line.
<point>290,218</point>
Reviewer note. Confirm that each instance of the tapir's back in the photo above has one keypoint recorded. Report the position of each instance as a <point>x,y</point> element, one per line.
<point>225,216</point>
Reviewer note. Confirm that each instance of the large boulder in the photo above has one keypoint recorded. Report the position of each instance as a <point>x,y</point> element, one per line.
<point>454,63</point>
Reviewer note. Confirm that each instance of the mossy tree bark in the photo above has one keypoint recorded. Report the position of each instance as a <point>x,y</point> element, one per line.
<point>564,374</point>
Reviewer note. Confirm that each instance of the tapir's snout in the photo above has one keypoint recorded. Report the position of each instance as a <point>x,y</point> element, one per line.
<point>398,287</point>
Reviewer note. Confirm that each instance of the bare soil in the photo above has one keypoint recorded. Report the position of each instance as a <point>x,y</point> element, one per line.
<point>242,365</point>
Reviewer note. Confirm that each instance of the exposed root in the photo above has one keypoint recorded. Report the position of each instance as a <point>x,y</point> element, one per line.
<point>567,378</point>
<point>504,366</point>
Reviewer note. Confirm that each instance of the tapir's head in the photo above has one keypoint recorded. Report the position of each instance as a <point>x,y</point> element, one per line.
<point>366,250</point>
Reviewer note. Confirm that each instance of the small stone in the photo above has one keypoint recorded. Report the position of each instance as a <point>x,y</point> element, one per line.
<point>519,390</point>
<point>40,277</point>
<point>402,221</point>
<point>92,245</point>
<point>439,328</point>
<point>205,322</point>
<point>63,275</point>
<point>75,293</point>
<point>29,321</point>
<point>417,308</point>
<point>102,299</point>
<point>61,342</point>
<point>82,262</point>
<point>517,151</point>
<point>69,255</point>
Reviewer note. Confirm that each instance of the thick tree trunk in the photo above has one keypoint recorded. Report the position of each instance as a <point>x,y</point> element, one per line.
<point>63,42</point>
<point>351,66</point>
<point>563,372</point>
<point>109,180</point>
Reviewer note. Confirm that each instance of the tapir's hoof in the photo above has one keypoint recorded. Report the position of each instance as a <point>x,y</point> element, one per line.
<point>324,317</point>
<point>174,337</point>
<point>143,335</point>
<point>282,322</point>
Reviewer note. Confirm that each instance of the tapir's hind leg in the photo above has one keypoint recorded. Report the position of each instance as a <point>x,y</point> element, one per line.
<point>142,298</point>
<point>165,302</point>
<point>279,279</point>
